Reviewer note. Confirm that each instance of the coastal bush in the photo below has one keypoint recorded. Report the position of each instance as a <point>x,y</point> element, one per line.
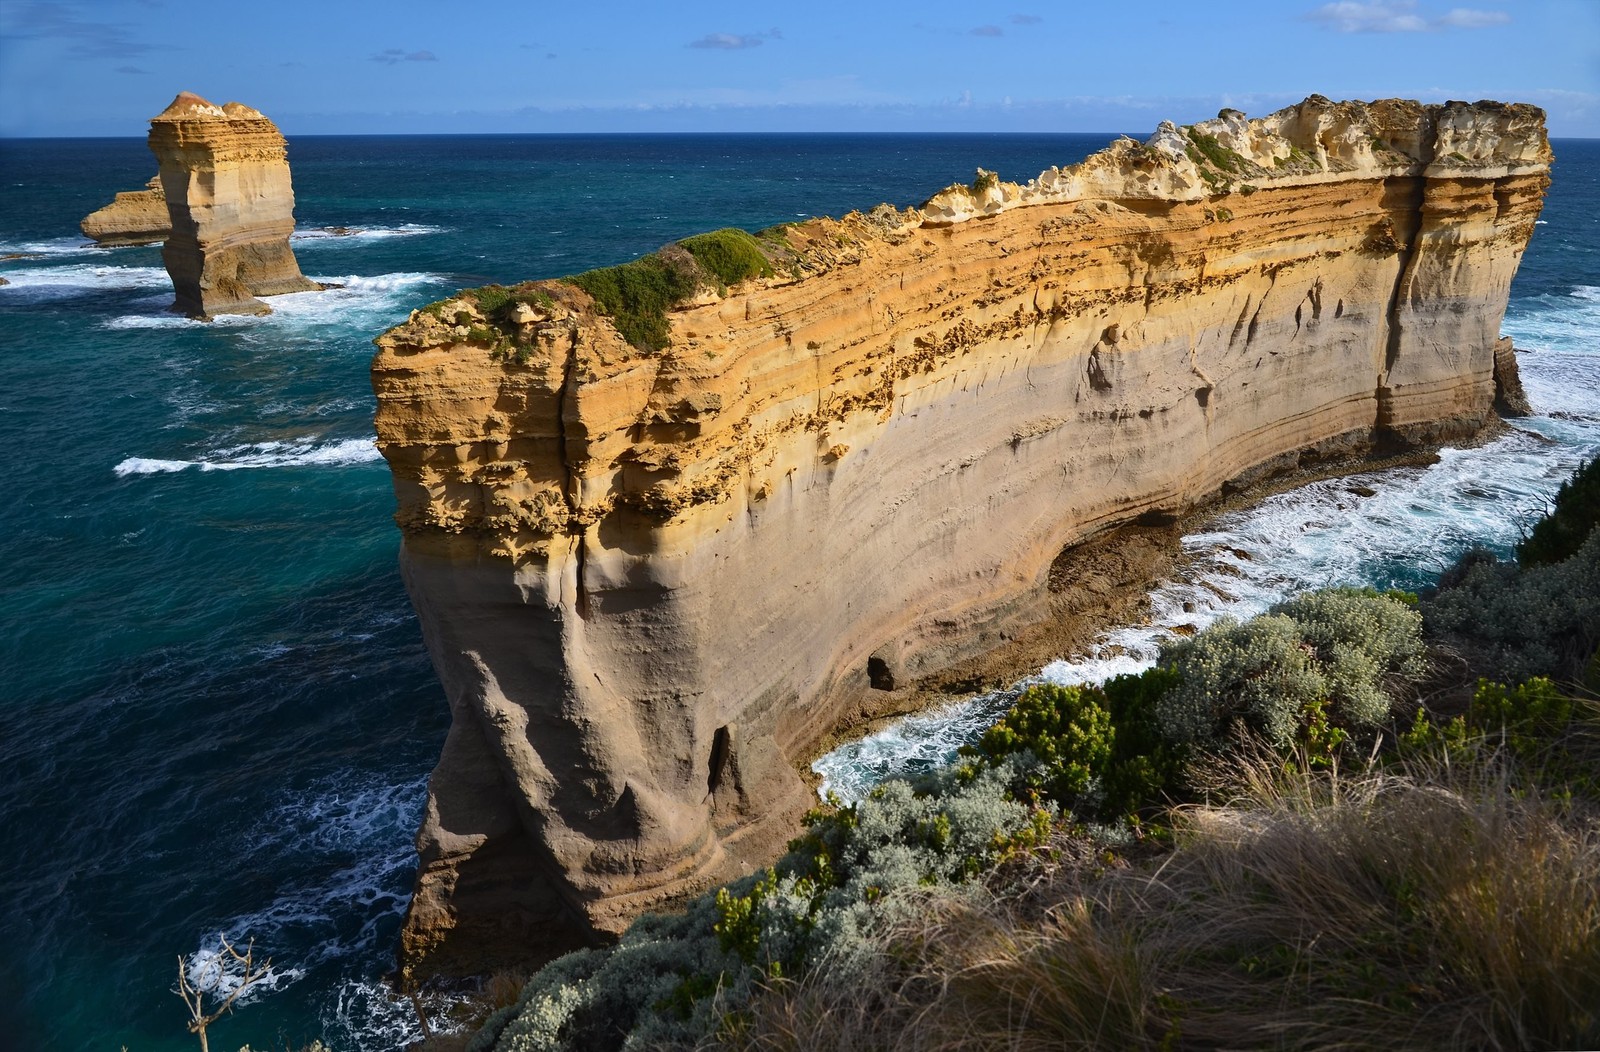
<point>730,255</point>
<point>1572,517</point>
<point>1323,659</point>
<point>1211,151</point>
<point>1549,737</point>
<point>674,980</point>
<point>637,296</point>
<point>492,299</point>
<point>1445,909</point>
<point>1540,620</point>
<point>983,182</point>
<point>1100,751</point>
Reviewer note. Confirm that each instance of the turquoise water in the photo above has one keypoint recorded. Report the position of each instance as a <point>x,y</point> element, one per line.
<point>217,715</point>
<point>216,712</point>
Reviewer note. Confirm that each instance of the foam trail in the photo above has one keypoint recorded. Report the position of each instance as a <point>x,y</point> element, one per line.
<point>45,283</point>
<point>55,247</point>
<point>909,746</point>
<point>1565,322</point>
<point>357,301</point>
<point>261,455</point>
<point>362,234</point>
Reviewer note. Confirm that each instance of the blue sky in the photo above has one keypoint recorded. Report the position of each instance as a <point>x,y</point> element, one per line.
<point>104,67</point>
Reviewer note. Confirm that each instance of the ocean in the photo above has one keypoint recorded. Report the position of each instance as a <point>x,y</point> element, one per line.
<point>217,715</point>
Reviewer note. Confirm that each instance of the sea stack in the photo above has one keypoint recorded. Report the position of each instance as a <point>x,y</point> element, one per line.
<point>134,217</point>
<point>654,571</point>
<point>225,174</point>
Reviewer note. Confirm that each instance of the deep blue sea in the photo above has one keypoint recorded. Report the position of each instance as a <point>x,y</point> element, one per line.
<point>216,713</point>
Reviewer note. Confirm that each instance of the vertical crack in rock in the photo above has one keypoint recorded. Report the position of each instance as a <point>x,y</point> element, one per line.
<point>572,483</point>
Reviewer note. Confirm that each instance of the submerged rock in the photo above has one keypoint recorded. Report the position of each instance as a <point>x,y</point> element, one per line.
<point>652,581</point>
<point>225,173</point>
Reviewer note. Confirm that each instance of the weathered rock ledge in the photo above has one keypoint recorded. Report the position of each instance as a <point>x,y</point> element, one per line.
<point>225,176</point>
<point>649,581</point>
<point>134,217</point>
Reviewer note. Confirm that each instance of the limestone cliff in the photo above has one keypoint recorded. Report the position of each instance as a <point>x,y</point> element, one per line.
<point>134,217</point>
<point>652,580</point>
<point>225,175</point>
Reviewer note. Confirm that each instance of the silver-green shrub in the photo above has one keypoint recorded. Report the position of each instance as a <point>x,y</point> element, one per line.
<point>1533,621</point>
<point>671,979</point>
<point>1340,647</point>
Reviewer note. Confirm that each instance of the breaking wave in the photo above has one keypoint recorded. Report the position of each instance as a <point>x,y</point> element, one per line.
<point>261,455</point>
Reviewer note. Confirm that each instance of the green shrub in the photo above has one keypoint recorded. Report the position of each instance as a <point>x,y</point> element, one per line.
<point>492,299</point>
<point>637,296</point>
<point>1211,152</point>
<point>730,255</point>
<point>1099,750</point>
<point>1572,517</point>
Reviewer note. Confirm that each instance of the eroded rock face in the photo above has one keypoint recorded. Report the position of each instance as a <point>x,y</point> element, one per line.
<point>650,583</point>
<point>134,217</point>
<point>225,174</point>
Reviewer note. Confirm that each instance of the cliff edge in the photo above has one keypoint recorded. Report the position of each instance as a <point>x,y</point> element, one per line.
<point>667,525</point>
<point>225,176</point>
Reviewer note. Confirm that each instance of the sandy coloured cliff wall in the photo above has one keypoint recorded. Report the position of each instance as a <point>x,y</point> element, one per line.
<point>225,176</point>
<point>650,581</point>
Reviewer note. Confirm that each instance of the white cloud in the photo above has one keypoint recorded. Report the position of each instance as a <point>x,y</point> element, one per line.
<point>1349,16</point>
<point>1467,18</point>
<point>392,56</point>
<point>1400,16</point>
<point>735,41</point>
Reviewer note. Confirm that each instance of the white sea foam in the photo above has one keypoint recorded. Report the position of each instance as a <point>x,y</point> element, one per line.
<point>160,318</point>
<point>1568,322</point>
<point>53,247</point>
<point>214,973</point>
<point>307,453</point>
<point>368,1016</point>
<point>908,746</point>
<point>76,279</point>
<point>368,233</point>
<point>336,821</point>
<point>357,300</point>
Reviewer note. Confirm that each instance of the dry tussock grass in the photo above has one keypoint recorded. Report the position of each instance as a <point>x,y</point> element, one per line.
<point>1439,905</point>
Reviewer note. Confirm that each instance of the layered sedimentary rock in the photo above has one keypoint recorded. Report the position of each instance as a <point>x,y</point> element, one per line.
<point>134,217</point>
<point>652,581</point>
<point>225,175</point>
